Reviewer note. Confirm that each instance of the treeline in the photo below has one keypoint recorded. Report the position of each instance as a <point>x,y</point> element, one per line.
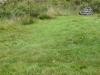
<point>44,8</point>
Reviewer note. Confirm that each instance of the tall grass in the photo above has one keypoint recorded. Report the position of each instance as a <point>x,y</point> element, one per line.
<point>35,8</point>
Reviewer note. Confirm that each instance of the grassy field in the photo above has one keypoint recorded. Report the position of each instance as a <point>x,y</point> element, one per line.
<point>67,45</point>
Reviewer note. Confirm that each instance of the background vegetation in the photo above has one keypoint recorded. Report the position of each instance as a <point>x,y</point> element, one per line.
<point>26,11</point>
<point>50,8</point>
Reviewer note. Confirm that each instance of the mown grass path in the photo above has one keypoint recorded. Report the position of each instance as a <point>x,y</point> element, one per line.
<point>67,45</point>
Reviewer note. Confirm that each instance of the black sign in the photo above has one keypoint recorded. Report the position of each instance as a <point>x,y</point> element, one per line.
<point>86,11</point>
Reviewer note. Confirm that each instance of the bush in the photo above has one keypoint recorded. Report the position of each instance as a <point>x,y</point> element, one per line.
<point>51,8</point>
<point>96,7</point>
<point>45,16</point>
<point>26,20</point>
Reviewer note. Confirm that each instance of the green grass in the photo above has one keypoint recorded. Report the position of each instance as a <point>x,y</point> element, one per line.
<point>67,45</point>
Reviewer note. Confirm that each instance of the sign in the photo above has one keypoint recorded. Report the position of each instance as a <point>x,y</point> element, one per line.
<point>86,11</point>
